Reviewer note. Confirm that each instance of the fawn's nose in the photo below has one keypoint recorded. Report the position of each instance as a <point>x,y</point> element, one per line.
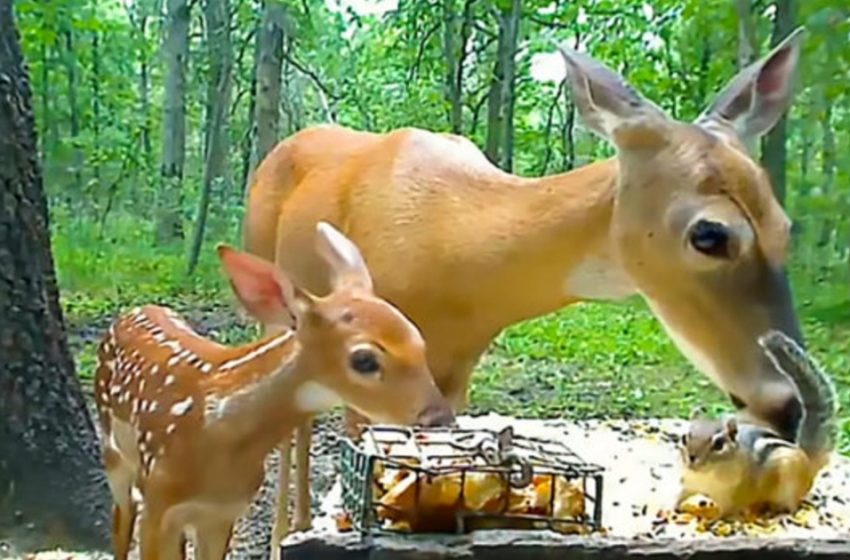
<point>437,415</point>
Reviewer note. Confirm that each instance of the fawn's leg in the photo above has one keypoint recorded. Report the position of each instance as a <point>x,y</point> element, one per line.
<point>120,477</point>
<point>281,519</point>
<point>213,539</point>
<point>158,540</point>
<point>303,518</point>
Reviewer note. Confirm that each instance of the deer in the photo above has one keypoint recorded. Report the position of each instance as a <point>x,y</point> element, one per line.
<point>681,215</point>
<point>187,423</point>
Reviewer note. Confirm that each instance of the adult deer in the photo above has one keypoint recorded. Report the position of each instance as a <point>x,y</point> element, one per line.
<point>187,422</point>
<point>682,216</point>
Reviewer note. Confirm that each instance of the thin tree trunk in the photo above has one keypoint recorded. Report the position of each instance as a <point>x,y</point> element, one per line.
<point>512,32</point>
<point>747,41</point>
<point>269,67</point>
<point>465,33</point>
<point>501,88</point>
<point>95,84</point>
<point>452,57</point>
<point>249,140</point>
<point>217,16</point>
<point>144,94</point>
<point>74,116</point>
<point>170,204</point>
<point>774,150</point>
<point>828,165</point>
<point>50,467</point>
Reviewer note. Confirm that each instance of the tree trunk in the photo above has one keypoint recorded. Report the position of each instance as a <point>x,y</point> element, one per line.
<point>74,116</point>
<point>828,165</point>
<point>774,153</point>
<point>512,31</point>
<point>144,94</point>
<point>95,85</point>
<point>451,55</point>
<point>747,41</point>
<point>217,16</point>
<point>170,205</point>
<point>269,66</point>
<point>50,468</point>
<point>500,96</point>
<point>249,140</point>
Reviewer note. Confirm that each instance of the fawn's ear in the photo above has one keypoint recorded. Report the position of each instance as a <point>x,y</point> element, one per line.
<point>264,291</point>
<point>348,268</point>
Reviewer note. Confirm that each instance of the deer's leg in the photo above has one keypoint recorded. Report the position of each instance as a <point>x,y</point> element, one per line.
<point>281,519</point>
<point>120,477</point>
<point>213,540</point>
<point>303,518</point>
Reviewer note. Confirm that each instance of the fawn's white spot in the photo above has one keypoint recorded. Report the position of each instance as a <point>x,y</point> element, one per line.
<point>169,379</point>
<point>182,407</point>
<point>170,429</point>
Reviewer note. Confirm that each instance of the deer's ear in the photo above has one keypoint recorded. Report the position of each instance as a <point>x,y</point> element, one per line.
<point>754,100</point>
<point>610,106</point>
<point>265,292</point>
<point>348,268</point>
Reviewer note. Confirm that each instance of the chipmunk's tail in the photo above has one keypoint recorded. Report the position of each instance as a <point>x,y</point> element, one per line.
<point>818,429</point>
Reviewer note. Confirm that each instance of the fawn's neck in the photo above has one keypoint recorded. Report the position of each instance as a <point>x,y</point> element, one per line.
<point>262,393</point>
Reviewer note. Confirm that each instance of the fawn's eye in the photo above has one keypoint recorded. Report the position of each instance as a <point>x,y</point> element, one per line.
<point>364,361</point>
<point>685,440</point>
<point>710,238</point>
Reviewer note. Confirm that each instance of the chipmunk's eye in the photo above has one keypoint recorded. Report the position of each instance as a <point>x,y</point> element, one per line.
<point>718,444</point>
<point>685,440</point>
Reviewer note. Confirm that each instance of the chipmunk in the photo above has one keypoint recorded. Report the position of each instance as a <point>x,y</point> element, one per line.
<point>748,468</point>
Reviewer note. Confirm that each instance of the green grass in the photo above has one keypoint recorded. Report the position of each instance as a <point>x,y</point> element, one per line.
<point>587,361</point>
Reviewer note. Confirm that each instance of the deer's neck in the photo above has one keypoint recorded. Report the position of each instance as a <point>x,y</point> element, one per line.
<point>545,242</point>
<point>260,393</point>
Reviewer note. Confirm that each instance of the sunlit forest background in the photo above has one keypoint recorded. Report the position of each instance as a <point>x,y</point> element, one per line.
<point>152,114</point>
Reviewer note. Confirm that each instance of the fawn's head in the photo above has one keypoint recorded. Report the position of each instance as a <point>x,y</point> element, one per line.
<point>356,348</point>
<point>696,224</point>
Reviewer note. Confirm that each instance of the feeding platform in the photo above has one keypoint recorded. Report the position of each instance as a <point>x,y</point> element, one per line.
<point>640,468</point>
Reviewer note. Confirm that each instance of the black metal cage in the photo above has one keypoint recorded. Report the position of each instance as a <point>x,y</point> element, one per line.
<point>515,462</point>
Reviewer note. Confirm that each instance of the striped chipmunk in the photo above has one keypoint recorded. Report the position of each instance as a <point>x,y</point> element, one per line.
<point>745,467</point>
<point>186,422</point>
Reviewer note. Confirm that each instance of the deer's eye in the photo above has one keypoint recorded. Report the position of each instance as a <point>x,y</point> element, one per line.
<point>364,361</point>
<point>710,238</point>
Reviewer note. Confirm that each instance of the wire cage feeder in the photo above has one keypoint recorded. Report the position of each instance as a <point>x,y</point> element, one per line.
<point>450,463</point>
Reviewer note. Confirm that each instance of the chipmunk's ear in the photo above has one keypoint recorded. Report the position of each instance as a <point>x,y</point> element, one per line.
<point>696,413</point>
<point>730,426</point>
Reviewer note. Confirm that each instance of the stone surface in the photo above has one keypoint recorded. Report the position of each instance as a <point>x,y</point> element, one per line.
<point>641,477</point>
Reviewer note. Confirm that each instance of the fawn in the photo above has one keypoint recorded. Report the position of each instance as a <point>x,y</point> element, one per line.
<point>187,423</point>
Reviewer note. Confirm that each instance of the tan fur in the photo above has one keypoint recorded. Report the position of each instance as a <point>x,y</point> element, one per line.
<point>465,249</point>
<point>738,486</point>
